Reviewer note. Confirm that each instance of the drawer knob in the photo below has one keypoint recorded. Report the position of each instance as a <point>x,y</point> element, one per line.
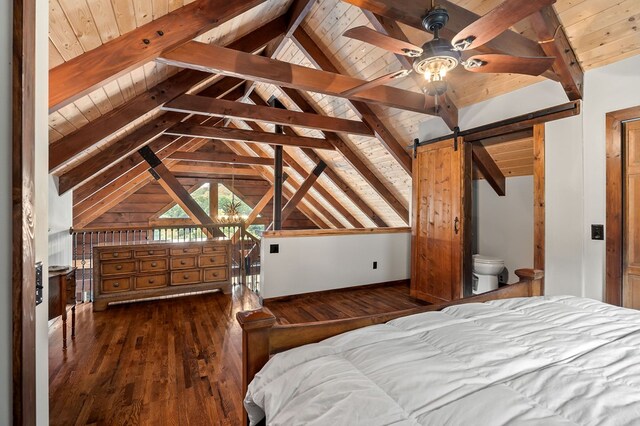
<point>182,262</point>
<point>116,285</point>
<point>185,250</point>
<point>118,267</point>
<point>150,251</point>
<point>154,264</point>
<point>185,276</point>
<point>213,259</point>
<point>151,281</point>
<point>116,254</point>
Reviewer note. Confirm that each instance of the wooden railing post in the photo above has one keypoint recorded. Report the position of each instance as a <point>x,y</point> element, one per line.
<point>535,276</point>
<point>255,326</point>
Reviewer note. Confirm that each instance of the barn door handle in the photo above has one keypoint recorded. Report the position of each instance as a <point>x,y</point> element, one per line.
<point>456,225</point>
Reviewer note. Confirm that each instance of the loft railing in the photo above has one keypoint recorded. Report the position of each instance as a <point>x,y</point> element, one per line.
<point>245,259</point>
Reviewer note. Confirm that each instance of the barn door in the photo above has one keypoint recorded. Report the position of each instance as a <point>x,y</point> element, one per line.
<point>441,248</point>
<point>631,227</point>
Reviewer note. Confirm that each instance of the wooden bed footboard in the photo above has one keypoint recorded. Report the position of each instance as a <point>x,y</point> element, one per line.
<point>263,337</point>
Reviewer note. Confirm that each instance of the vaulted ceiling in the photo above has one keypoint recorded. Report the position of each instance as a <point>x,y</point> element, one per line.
<point>95,129</point>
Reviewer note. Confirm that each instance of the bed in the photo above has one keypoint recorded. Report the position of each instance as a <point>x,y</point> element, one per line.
<point>507,357</point>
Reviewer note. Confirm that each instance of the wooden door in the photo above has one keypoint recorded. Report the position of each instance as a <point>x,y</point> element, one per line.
<point>441,249</point>
<point>631,226</point>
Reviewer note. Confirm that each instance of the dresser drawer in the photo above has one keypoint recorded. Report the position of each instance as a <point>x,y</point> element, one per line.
<point>183,262</point>
<point>213,259</point>
<point>151,281</point>
<point>116,285</point>
<point>116,254</point>
<point>185,250</point>
<point>150,252</point>
<point>191,276</point>
<point>114,268</point>
<point>215,274</point>
<point>152,265</point>
<point>215,249</point>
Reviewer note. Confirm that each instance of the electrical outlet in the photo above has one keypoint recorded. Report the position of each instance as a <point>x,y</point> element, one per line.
<point>274,248</point>
<point>375,265</point>
<point>597,232</point>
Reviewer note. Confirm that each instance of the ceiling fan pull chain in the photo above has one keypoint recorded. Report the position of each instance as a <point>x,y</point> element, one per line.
<point>555,34</point>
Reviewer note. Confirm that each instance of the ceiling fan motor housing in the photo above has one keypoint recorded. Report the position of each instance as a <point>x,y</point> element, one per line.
<point>435,19</point>
<point>437,51</point>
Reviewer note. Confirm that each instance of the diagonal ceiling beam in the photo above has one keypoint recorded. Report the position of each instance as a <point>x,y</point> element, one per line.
<point>98,130</point>
<point>317,56</point>
<point>554,42</point>
<point>489,168</point>
<point>80,75</point>
<point>93,165</point>
<point>302,191</point>
<point>225,61</point>
<point>448,111</point>
<point>192,104</point>
<point>342,145</point>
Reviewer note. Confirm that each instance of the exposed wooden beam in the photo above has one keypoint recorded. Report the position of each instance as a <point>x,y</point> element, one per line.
<point>193,104</point>
<point>355,161</point>
<point>213,199</point>
<point>176,191</point>
<point>554,42</point>
<point>196,167</point>
<point>317,56</point>
<point>184,129</point>
<point>221,60</point>
<point>80,75</point>
<point>68,147</point>
<point>489,169</point>
<point>83,171</point>
<point>304,188</point>
<point>447,109</point>
<point>539,197</point>
<point>334,178</point>
<point>219,157</point>
<point>130,144</point>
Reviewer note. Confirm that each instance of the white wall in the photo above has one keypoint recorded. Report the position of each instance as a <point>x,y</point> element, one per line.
<point>60,220</point>
<point>42,211</point>
<point>308,264</point>
<point>504,225</point>
<point>5,212</point>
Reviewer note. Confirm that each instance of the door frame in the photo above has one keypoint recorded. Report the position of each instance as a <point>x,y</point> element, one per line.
<point>23,213</point>
<point>614,203</point>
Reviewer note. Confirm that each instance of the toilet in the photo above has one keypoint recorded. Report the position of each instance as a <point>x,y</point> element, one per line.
<point>485,273</point>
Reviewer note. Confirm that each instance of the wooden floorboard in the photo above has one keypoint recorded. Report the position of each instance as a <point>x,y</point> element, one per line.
<point>176,361</point>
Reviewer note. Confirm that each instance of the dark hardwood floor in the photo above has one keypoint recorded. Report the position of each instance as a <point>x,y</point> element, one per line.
<point>176,361</point>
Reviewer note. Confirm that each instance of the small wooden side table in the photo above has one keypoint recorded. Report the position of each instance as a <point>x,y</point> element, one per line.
<point>62,292</point>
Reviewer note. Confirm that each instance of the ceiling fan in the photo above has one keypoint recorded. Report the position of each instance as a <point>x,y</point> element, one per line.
<point>439,56</point>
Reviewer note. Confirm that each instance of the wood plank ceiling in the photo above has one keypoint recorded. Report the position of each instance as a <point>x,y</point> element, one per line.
<point>600,32</point>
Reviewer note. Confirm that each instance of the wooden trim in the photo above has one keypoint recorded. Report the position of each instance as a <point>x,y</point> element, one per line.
<point>80,75</point>
<point>539,197</point>
<point>333,232</point>
<point>615,208</point>
<point>315,294</point>
<point>263,337</point>
<point>23,214</point>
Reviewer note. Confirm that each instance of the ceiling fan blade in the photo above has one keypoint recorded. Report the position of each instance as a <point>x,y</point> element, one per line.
<point>496,22</point>
<point>494,63</point>
<point>382,41</point>
<point>377,82</point>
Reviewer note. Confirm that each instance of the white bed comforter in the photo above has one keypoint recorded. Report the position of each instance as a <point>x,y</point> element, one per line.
<point>543,361</point>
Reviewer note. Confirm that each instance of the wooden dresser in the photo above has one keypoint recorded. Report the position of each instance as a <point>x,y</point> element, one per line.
<point>153,269</point>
